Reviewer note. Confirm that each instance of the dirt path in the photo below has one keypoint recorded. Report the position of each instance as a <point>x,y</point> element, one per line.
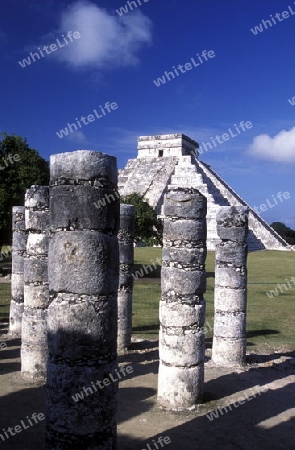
<point>263,420</point>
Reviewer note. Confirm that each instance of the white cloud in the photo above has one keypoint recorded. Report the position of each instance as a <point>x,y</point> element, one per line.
<point>279,148</point>
<point>78,137</point>
<point>106,40</point>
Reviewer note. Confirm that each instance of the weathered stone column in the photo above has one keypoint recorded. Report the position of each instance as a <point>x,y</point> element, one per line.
<point>19,242</point>
<point>182,306</point>
<point>126,252</point>
<point>230,297</point>
<point>36,291</point>
<point>83,313</point>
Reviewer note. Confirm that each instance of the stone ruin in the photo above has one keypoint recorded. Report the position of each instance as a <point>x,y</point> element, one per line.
<point>182,305</point>
<point>36,290</point>
<point>19,245</point>
<point>82,316</point>
<point>125,291</point>
<point>173,159</point>
<point>230,291</point>
<point>78,295</point>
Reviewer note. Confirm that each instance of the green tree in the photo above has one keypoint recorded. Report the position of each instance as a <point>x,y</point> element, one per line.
<point>20,167</point>
<point>148,228</point>
<point>285,232</point>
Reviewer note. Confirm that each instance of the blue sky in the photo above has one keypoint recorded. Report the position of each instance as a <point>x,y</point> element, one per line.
<point>117,58</point>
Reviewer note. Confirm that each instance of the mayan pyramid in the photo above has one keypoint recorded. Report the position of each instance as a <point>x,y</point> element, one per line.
<point>173,159</point>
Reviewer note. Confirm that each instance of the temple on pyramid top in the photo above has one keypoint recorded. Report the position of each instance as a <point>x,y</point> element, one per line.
<point>165,145</point>
<point>173,160</point>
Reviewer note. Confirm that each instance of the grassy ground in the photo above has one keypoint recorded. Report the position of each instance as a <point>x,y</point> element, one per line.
<point>4,301</point>
<point>5,263</point>
<point>270,320</point>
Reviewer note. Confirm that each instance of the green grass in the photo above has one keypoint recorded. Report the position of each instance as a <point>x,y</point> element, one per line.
<point>4,301</point>
<point>269,321</point>
<point>5,296</point>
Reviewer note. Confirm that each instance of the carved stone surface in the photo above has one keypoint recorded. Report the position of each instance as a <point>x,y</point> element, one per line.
<point>125,292</point>
<point>34,349</point>
<point>83,313</point>
<point>182,305</point>
<point>19,242</point>
<point>173,160</point>
<point>230,295</point>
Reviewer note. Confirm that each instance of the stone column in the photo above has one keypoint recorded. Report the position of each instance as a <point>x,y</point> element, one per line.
<point>126,252</point>
<point>182,305</point>
<point>36,291</point>
<point>19,242</point>
<point>82,316</point>
<point>230,296</point>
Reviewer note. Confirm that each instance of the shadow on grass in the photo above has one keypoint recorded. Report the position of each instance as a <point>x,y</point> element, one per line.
<point>150,271</point>
<point>142,271</point>
<point>144,345</point>
<point>210,274</point>
<point>146,328</point>
<point>250,334</point>
<point>254,333</point>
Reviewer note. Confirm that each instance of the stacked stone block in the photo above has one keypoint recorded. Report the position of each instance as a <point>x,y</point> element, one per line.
<point>36,290</point>
<point>19,242</point>
<point>230,303</point>
<point>182,305</point>
<point>126,252</point>
<point>83,314</point>
<point>164,160</point>
<point>165,145</point>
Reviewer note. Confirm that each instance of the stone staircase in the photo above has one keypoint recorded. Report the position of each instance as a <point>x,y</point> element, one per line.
<point>261,235</point>
<point>148,177</point>
<point>151,173</point>
<point>189,174</point>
